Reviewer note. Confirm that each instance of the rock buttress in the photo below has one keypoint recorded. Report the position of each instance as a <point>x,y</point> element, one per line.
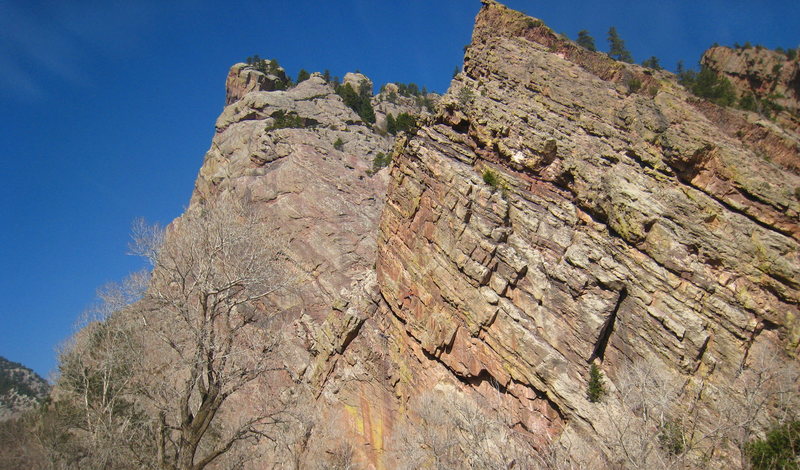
<point>554,214</point>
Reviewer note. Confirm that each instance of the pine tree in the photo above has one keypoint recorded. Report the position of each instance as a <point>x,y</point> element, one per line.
<point>617,47</point>
<point>595,390</point>
<point>303,75</point>
<point>586,41</point>
<point>652,63</point>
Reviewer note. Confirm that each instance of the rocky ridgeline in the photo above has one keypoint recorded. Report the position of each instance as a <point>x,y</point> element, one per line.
<point>20,388</point>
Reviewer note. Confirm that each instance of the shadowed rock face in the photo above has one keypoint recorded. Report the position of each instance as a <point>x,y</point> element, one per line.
<point>759,71</point>
<point>551,214</point>
<point>765,75</point>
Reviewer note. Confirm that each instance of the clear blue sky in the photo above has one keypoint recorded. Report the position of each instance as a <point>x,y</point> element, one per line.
<point>108,107</point>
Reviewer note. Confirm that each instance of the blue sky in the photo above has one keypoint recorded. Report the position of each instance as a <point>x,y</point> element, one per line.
<point>108,107</point>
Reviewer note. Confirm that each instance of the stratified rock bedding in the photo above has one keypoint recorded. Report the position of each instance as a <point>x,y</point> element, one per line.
<point>553,215</point>
<point>560,209</point>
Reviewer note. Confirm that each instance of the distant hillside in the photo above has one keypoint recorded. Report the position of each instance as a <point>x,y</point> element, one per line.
<point>20,387</point>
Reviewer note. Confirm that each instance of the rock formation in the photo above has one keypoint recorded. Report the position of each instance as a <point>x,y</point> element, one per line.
<point>760,71</point>
<point>560,209</point>
<point>769,77</point>
<point>553,215</point>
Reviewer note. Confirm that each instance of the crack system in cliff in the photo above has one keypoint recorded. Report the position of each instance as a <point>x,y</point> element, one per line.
<point>608,328</point>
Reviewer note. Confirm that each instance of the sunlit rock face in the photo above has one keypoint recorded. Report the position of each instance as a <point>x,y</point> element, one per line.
<point>563,208</point>
<point>558,209</point>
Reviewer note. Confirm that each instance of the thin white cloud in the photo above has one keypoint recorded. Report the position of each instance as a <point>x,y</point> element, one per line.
<point>61,41</point>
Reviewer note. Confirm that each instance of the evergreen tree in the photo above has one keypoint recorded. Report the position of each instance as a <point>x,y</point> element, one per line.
<point>595,390</point>
<point>652,63</point>
<point>303,75</point>
<point>357,101</point>
<point>391,125</point>
<point>586,41</point>
<point>617,48</point>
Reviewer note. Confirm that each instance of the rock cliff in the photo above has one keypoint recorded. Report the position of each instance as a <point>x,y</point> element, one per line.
<point>559,209</point>
<point>553,215</point>
<point>771,78</point>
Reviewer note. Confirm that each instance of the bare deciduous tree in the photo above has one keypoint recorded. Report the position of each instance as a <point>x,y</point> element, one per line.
<point>212,273</point>
<point>647,397</point>
<point>94,420</point>
<point>455,432</point>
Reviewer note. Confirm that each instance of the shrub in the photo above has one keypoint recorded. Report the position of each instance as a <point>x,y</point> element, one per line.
<point>493,179</point>
<point>465,96</point>
<point>533,23</point>
<point>780,449</point>
<point>748,102</point>
<point>381,160</point>
<point>284,120</point>
<point>303,75</point>
<point>338,145</point>
<point>671,438</point>
<point>595,389</point>
<point>634,85</point>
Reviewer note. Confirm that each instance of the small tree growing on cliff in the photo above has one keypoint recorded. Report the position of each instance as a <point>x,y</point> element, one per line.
<point>595,389</point>
<point>585,40</point>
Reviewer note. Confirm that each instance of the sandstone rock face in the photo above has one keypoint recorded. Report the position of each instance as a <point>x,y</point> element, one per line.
<point>550,217</point>
<point>315,184</point>
<point>322,200</point>
<point>765,75</point>
<point>760,71</point>
<point>242,79</point>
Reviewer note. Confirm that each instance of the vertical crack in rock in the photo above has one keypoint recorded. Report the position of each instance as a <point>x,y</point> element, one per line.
<point>608,328</point>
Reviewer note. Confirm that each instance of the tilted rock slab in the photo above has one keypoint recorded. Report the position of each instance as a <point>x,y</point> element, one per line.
<point>554,214</point>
